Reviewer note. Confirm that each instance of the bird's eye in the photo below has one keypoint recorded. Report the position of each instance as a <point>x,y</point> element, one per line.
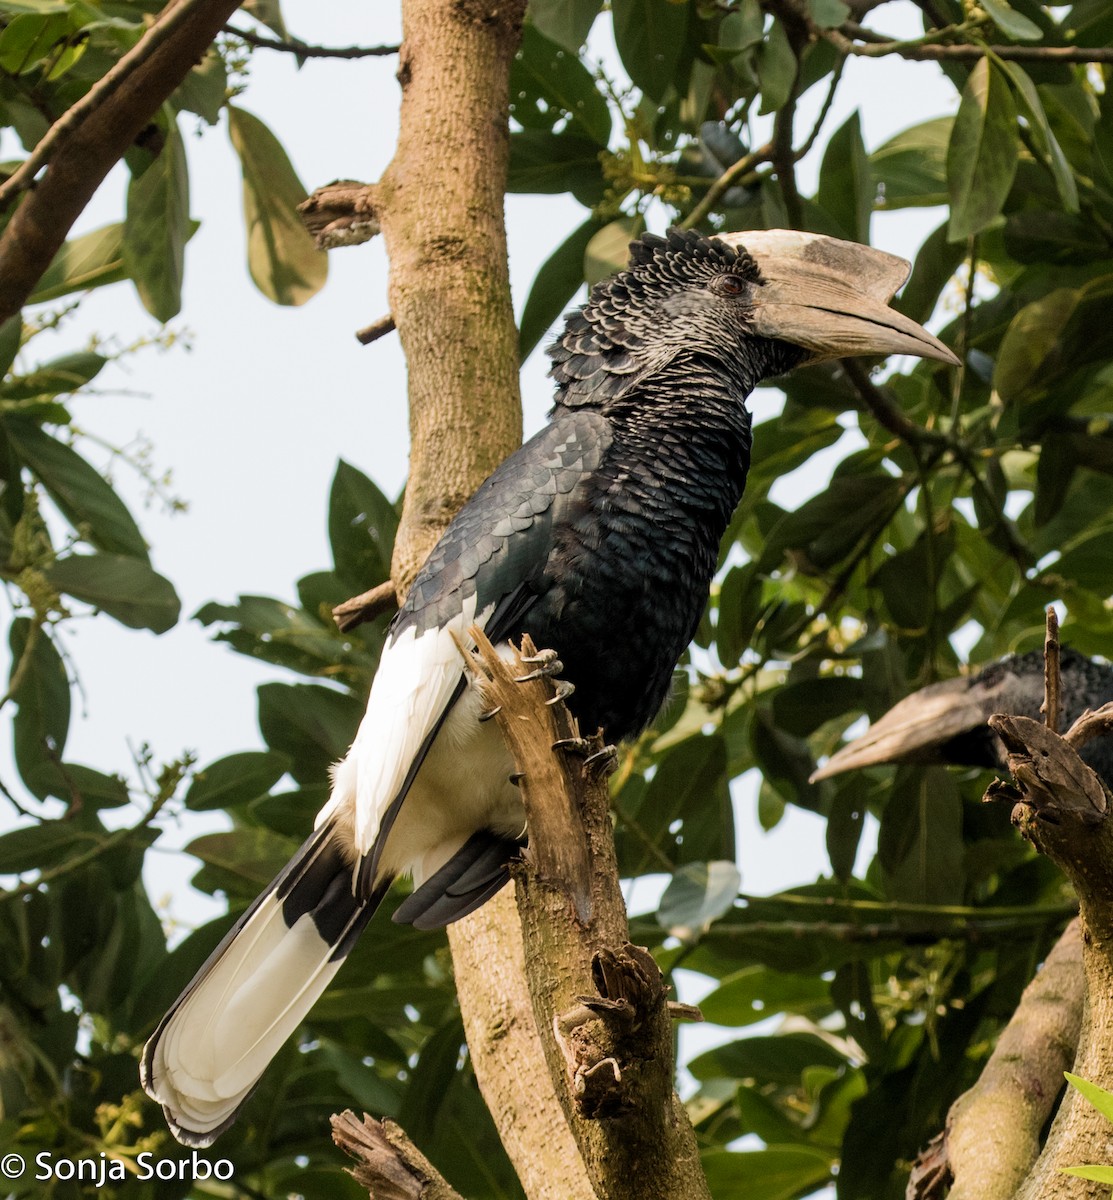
<point>728,285</point>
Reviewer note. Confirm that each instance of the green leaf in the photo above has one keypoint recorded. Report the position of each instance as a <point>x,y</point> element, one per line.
<point>1098,1097</point>
<point>90,788</point>
<point>779,1059</point>
<point>42,696</point>
<point>268,13</point>
<point>911,167</point>
<point>936,263</point>
<point>247,858</point>
<point>775,1173</point>
<point>566,22</point>
<point>235,779</point>
<point>1033,345</point>
<point>37,846</point>
<point>845,181</point>
<point>205,89</point>
<point>546,162</point>
<point>284,262</point>
<point>60,376</point>
<point>90,261</point>
<point>550,85</point>
<point>919,844</point>
<point>1042,134</point>
<point>312,725</point>
<point>1011,23</point>
<point>608,250</point>
<point>1098,1174</point>
<point>776,69</point>
<point>983,151</point>
<point>28,40</point>
<point>650,36</point>
<point>561,276</point>
<point>756,993</point>
<point>157,229</point>
<point>827,14</point>
<point>85,498</point>
<point>697,895</point>
<point>127,589</point>
<point>362,523</point>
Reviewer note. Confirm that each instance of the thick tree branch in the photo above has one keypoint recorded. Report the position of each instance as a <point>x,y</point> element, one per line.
<point>366,606</point>
<point>993,1130</point>
<point>599,1002</point>
<point>389,1165</point>
<point>89,139</point>
<point>303,50</point>
<point>1062,807</point>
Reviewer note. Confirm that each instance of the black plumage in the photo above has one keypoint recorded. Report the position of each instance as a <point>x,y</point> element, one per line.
<point>598,538</point>
<point>947,722</point>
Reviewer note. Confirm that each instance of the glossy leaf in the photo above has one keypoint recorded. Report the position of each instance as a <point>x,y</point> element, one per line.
<point>608,250</point>
<point>11,336</point>
<point>755,994</point>
<point>650,35</point>
<point>361,526</point>
<point>235,779</point>
<point>41,691</point>
<point>547,162</point>
<point>566,22</point>
<point>284,262</point>
<point>775,1173</point>
<point>1011,23</point>
<point>1031,108</point>
<point>550,85</point>
<point>157,228</point>
<point>312,725</point>
<point>845,181</point>
<point>911,167</point>
<point>983,151</point>
<point>127,589</point>
<point>92,260</point>
<point>776,69</point>
<point>920,841</point>
<point>697,895</point>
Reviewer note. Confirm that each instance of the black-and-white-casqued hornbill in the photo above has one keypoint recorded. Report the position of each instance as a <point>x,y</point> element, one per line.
<point>598,538</point>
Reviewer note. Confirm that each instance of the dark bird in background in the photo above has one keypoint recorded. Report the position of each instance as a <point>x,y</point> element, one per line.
<point>598,538</point>
<point>947,722</point>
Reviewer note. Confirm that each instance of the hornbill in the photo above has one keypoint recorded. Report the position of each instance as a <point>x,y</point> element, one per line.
<point>947,722</point>
<point>598,538</point>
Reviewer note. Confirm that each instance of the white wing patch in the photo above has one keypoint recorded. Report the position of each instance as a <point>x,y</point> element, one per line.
<point>415,681</point>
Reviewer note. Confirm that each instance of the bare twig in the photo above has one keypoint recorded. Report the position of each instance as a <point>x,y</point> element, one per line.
<point>303,50</point>
<point>879,46</point>
<point>366,606</point>
<point>374,331</point>
<point>1052,707</point>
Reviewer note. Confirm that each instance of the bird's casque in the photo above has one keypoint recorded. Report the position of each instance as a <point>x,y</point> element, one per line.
<point>598,538</point>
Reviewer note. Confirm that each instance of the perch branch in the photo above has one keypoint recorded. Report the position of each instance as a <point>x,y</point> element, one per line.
<point>342,213</point>
<point>374,331</point>
<point>599,1003</point>
<point>993,1131</point>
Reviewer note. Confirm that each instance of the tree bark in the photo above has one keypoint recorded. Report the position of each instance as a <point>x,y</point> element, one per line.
<point>93,136</point>
<point>1064,811</point>
<point>439,206</point>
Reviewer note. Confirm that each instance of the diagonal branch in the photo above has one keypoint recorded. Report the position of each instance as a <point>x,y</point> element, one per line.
<point>304,50</point>
<point>92,136</point>
<point>388,1164</point>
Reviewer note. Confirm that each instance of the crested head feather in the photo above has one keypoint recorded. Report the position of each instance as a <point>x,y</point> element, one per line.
<point>625,331</point>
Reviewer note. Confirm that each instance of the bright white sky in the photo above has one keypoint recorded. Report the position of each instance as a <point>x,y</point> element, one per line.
<point>254,416</point>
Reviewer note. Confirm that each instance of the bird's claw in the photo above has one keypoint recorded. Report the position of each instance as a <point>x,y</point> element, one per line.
<point>602,762</point>
<point>491,712</point>
<point>574,745</point>
<point>564,689</point>
<point>547,664</point>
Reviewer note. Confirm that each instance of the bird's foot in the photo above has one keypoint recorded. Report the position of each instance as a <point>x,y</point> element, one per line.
<point>491,712</point>
<point>596,762</point>
<point>547,664</point>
